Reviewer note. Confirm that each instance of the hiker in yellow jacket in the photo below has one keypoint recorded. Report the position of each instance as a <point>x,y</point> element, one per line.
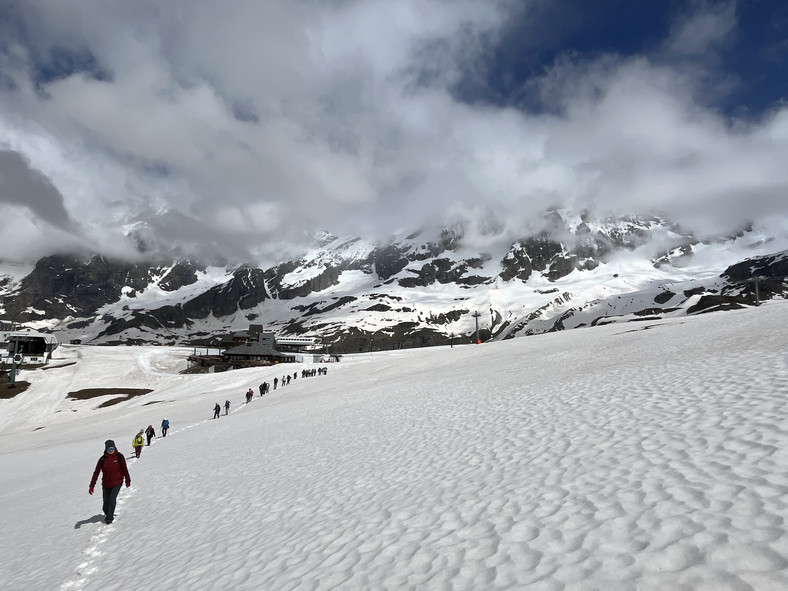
<point>138,442</point>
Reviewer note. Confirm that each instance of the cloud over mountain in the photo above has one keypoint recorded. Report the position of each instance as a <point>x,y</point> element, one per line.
<point>240,131</point>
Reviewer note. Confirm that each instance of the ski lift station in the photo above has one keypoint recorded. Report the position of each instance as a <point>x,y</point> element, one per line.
<point>25,347</point>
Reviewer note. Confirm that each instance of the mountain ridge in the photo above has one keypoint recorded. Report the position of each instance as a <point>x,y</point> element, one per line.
<point>418,289</point>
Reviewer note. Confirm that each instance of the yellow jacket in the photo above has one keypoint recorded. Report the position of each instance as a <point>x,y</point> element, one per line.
<point>138,441</point>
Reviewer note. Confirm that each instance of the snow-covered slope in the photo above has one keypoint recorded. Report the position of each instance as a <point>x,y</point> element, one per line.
<point>645,456</point>
<point>417,289</point>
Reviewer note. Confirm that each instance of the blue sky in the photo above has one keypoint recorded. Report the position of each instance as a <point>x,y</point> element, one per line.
<point>753,57</point>
<point>243,130</point>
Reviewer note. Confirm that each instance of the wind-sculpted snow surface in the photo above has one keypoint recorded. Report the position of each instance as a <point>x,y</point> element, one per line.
<point>646,457</point>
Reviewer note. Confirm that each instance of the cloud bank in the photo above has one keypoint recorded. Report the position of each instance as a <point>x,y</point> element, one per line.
<point>239,130</point>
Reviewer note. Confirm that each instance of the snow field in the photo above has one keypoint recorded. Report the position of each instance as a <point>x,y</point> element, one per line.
<point>640,456</point>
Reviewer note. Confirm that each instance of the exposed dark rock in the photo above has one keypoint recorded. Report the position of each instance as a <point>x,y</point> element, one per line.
<point>532,254</point>
<point>446,317</point>
<point>708,303</point>
<point>336,304</point>
<point>677,256</point>
<point>181,274</point>
<point>389,260</point>
<point>319,283</point>
<point>473,280</point>
<point>378,308</point>
<point>769,267</point>
<point>516,265</point>
<point>405,335</point>
<point>477,262</point>
<point>562,266</point>
<point>245,290</point>
<point>138,320</point>
<point>688,293</point>
<point>273,276</point>
<point>426,276</point>
<point>171,316</point>
<point>664,297</point>
<point>61,285</point>
<point>384,296</point>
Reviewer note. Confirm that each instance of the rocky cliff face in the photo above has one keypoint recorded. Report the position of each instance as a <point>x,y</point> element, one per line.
<point>62,286</point>
<point>412,291</point>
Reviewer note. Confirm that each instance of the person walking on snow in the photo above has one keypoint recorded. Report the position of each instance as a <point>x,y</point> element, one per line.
<point>138,442</point>
<point>226,407</point>
<point>216,410</point>
<point>150,433</point>
<point>114,471</point>
<point>165,425</point>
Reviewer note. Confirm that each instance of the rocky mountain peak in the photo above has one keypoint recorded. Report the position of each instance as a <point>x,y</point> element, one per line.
<point>419,289</point>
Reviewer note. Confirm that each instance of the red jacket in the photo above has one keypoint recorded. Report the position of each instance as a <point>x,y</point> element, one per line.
<point>114,471</point>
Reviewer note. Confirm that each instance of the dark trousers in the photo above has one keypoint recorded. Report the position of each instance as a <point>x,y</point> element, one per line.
<point>149,438</point>
<point>164,431</point>
<point>110,497</point>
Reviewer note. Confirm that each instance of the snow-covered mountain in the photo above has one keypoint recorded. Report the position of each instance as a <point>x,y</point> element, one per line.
<point>417,289</point>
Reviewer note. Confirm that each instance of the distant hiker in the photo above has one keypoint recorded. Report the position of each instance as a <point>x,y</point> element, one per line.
<point>226,407</point>
<point>165,425</point>
<point>295,374</point>
<point>276,381</point>
<point>262,388</point>
<point>114,471</point>
<point>216,410</point>
<point>150,433</point>
<point>249,395</point>
<point>138,442</point>
<point>288,379</point>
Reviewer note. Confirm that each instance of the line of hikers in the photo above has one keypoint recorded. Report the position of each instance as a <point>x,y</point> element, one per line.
<point>139,441</point>
<point>265,387</point>
<point>114,471</point>
<point>112,465</point>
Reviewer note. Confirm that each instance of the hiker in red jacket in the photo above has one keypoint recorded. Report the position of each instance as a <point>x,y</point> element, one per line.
<point>112,465</point>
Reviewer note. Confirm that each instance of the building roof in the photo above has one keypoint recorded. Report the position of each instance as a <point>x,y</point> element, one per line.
<point>255,349</point>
